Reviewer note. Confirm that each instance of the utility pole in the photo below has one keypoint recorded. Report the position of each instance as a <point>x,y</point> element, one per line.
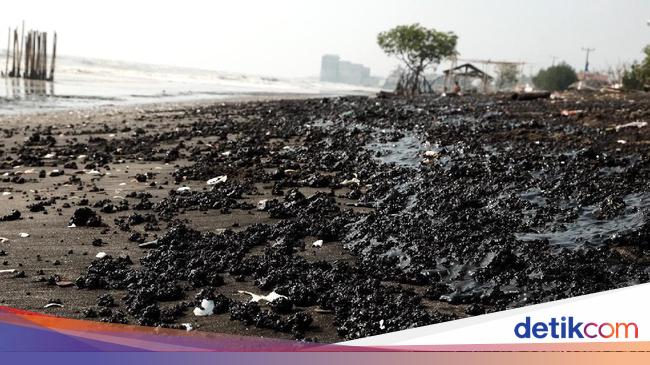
<point>553,58</point>
<point>587,51</point>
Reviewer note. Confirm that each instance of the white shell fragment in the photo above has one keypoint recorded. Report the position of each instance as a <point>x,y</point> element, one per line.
<point>256,298</point>
<point>23,234</point>
<point>218,180</point>
<point>318,243</point>
<point>353,181</point>
<point>101,255</point>
<point>206,309</point>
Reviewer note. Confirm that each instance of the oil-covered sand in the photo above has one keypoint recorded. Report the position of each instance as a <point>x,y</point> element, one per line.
<point>363,215</point>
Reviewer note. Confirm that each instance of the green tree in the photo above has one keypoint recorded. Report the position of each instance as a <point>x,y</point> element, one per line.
<point>555,78</point>
<point>418,48</point>
<point>507,75</point>
<point>638,76</point>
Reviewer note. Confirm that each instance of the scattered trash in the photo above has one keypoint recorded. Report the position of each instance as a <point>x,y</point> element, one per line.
<point>262,204</point>
<point>183,189</point>
<point>218,180</point>
<point>353,181</point>
<point>188,326</point>
<point>318,243</point>
<point>53,305</point>
<point>150,244</point>
<point>568,113</point>
<point>8,271</point>
<point>4,239</point>
<point>206,308</point>
<point>621,141</point>
<point>631,125</point>
<point>23,234</point>
<point>101,255</point>
<point>269,298</point>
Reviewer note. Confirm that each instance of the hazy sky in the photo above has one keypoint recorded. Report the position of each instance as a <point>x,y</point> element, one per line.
<point>287,38</point>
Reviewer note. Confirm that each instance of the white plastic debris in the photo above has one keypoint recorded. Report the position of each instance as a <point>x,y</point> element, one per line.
<point>227,153</point>
<point>183,189</point>
<point>29,171</point>
<point>4,239</point>
<point>353,181</point>
<point>23,234</point>
<point>256,297</point>
<point>51,305</point>
<point>188,326</point>
<point>621,141</point>
<point>206,308</point>
<point>8,271</point>
<point>82,157</point>
<point>94,172</point>
<point>381,325</point>
<point>631,125</point>
<point>101,255</point>
<point>72,225</point>
<point>5,193</point>
<point>50,155</point>
<point>261,205</point>
<point>218,180</point>
<point>318,243</point>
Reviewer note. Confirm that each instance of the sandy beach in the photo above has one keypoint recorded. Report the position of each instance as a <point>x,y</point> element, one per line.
<point>363,215</point>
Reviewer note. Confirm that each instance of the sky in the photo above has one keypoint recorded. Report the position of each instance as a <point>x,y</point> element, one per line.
<point>286,38</point>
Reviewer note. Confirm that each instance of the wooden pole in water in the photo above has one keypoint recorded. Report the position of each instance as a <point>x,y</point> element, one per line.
<point>44,74</point>
<point>32,61</point>
<point>13,65</point>
<point>7,60</point>
<point>53,58</point>
<point>21,48</point>
<point>37,63</point>
<point>27,53</point>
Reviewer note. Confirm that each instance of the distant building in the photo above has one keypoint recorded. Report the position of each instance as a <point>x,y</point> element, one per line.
<point>333,69</point>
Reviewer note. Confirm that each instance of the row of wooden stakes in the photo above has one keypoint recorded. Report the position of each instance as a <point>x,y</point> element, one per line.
<point>28,55</point>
